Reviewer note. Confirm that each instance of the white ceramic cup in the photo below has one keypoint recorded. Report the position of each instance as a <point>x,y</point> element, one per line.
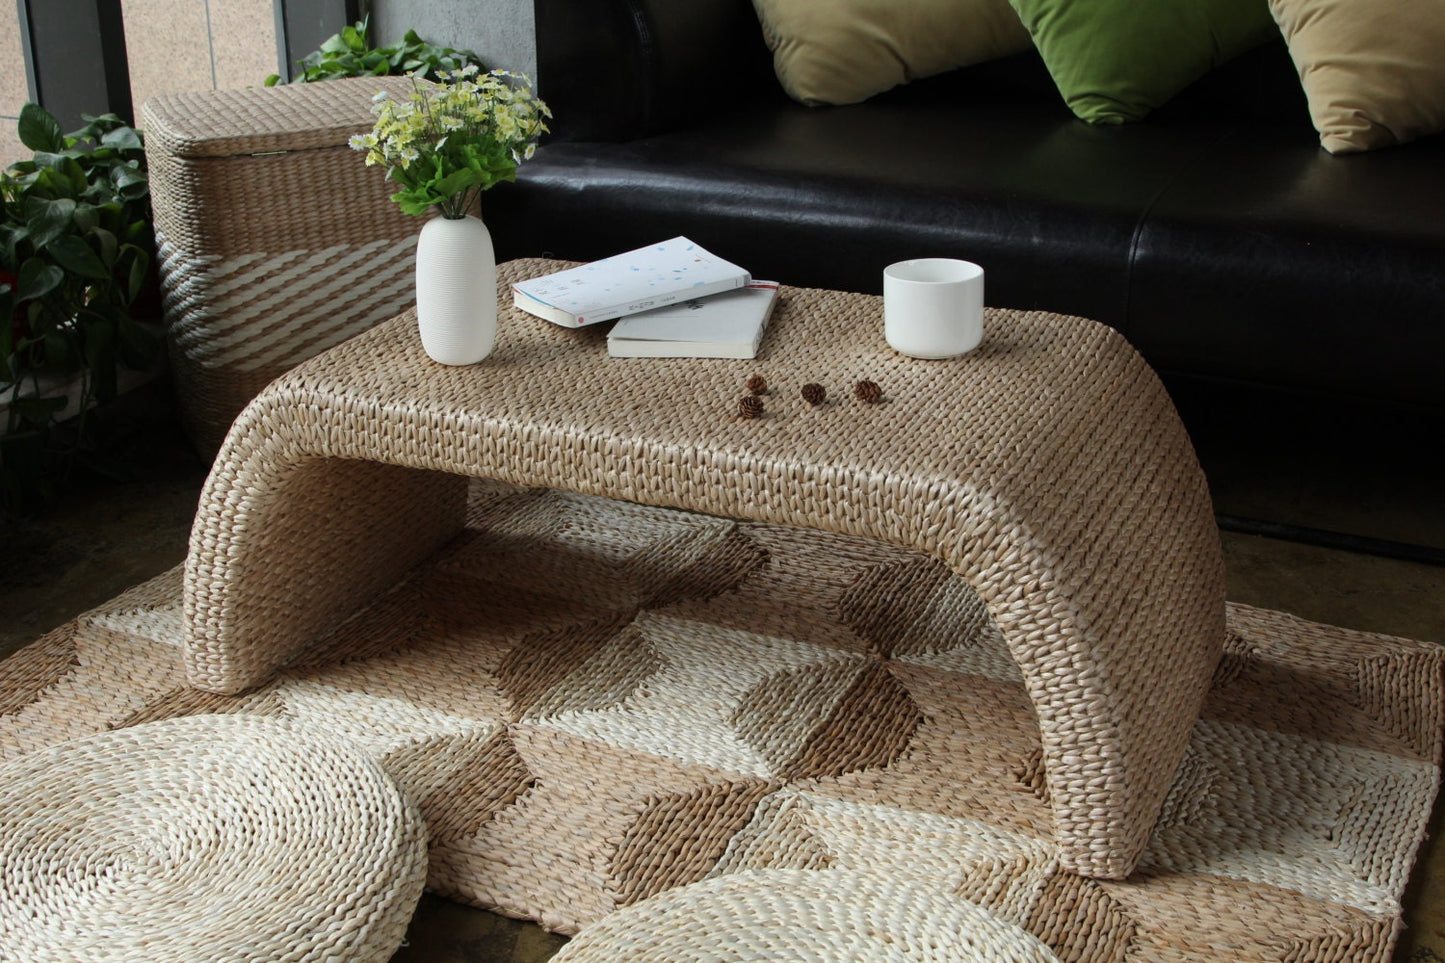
<point>933,307</point>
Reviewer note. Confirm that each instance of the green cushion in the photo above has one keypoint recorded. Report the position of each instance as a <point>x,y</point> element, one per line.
<point>1116,60</point>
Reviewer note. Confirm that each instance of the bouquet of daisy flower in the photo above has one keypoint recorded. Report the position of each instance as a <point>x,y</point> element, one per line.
<point>451,140</point>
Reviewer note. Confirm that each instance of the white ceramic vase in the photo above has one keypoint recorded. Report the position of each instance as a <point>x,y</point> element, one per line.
<point>456,290</point>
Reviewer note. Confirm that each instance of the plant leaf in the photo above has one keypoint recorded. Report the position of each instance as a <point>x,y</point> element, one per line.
<point>73,254</point>
<point>39,130</point>
<point>85,217</point>
<point>37,279</point>
<point>109,248</point>
<point>51,219</point>
<point>139,272</point>
<point>123,138</point>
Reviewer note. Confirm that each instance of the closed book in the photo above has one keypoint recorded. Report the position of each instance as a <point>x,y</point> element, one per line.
<point>629,283</point>
<point>728,325</point>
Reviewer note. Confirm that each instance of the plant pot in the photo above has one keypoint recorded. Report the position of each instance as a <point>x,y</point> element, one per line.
<point>456,290</point>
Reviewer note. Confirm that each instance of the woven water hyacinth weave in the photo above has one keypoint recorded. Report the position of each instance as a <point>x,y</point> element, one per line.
<point>595,703</point>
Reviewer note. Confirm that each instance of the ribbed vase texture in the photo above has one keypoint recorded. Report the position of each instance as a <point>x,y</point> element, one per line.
<point>456,290</point>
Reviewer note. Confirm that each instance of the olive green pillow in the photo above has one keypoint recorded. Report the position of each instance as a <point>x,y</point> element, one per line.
<point>1373,73</point>
<point>844,51</point>
<point>1116,60</point>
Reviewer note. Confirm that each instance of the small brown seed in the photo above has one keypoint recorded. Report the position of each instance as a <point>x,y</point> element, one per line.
<point>757,384</point>
<point>868,392</point>
<point>750,406</point>
<point>814,393</point>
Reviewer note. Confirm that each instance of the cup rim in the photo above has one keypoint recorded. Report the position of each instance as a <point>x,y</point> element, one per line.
<point>952,270</point>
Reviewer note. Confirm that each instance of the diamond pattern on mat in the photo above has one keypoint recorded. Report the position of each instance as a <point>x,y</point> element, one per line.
<point>150,610</point>
<point>609,554</point>
<point>962,760</point>
<point>1081,922</point>
<point>568,851</point>
<point>687,708</point>
<point>868,728</point>
<point>1350,941</point>
<point>32,670</point>
<point>680,836</point>
<point>792,827</point>
<point>461,782</point>
<point>381,725</point>
<point>1310,821</point>
<point>918,611</point>
<point>594,671</point>
<point>1379,681</point>
<point>798,591</point>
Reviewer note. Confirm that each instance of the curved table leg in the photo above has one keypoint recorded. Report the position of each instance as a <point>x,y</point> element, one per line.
<point>284,549</point>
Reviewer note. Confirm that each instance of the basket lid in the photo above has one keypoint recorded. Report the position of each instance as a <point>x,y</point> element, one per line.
<point>258,120</point>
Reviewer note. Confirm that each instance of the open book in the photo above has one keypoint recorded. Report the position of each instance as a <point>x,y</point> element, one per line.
<point>629,283</point>
<point>728,325</point>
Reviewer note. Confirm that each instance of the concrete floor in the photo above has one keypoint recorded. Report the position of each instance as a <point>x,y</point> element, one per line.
<point>104,536</point>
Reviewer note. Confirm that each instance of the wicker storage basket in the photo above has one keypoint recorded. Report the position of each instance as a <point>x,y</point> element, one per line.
<point>275,240</point>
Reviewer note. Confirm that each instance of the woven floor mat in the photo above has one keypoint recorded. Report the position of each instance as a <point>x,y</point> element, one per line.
<point>594,703</point>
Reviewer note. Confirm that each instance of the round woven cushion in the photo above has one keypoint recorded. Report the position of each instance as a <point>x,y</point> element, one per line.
<point>206,838</point>
<point>786,914</point>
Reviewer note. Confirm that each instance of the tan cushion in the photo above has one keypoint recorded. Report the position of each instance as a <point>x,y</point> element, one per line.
<point>1374,73</point>
<point>844,51</point>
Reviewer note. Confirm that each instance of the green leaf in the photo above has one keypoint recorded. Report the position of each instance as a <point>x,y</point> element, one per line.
<point>353,39</point>
<point>334,44</point>
<point>109,247</point>
<point>37,279</point>
<point>458,181</point>
<point>48,183</point>
<point>271,80</point>
<point>51,219</point>
<point>73,254</point>
<point>412,201</point>
<point>39,130</point>
<point>12,235</point>
<point>131,184</point>
<point>123,138</point>
<point>139,272</point>
<point>85,217</point>
<point>53,160</point>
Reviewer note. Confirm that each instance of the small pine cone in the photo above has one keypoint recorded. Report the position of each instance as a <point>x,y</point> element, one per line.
<point>750,406</point>
<point>868,392</point>
<point>814,393</point>
<point>757,384</point>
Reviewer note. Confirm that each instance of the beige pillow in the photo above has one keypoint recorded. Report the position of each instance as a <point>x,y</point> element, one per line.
<point>1374,73</point>
<point>844,51</point>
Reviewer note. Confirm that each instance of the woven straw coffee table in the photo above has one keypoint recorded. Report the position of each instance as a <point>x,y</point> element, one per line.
<point>1048,468</point>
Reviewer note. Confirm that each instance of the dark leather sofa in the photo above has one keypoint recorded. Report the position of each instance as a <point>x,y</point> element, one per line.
<point>1268,281</point>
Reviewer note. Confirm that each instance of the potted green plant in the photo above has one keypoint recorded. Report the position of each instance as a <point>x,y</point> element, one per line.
<point>350,54</point>
<point>76,255</point>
